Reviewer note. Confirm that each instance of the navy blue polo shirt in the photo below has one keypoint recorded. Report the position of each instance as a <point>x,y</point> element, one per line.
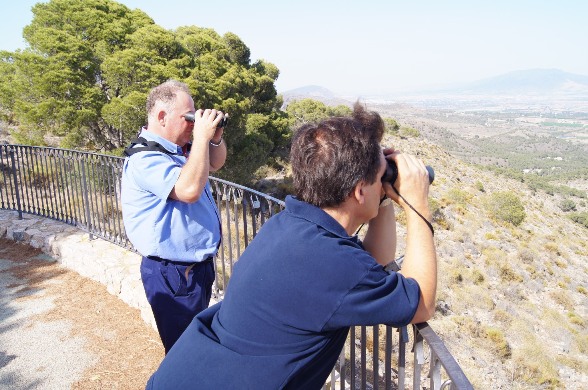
<point>294,293</point>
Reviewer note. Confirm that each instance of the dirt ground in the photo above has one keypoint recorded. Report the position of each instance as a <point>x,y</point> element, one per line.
<point>125,350</point>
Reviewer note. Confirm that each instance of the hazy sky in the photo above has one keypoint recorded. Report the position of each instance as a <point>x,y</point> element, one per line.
<point>371,46</point>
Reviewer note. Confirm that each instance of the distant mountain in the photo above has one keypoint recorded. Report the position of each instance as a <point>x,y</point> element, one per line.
<point>542,81</point>
<point>543,87</point>
<point>314,92</point>
<point>529,82</point>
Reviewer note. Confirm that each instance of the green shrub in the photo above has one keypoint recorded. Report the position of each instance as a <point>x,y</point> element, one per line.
<point>581,218</point>
<point>535,366</point>
<point>567,205</point>
<point>506,207</point>
<point>478,277</point>
<point>439,218</point>
<point>500,345</point>
<point>458,196</point>
<point>392,126</point>
<point>507,274</point>
<point>576,319</point>
<point>409,132</point>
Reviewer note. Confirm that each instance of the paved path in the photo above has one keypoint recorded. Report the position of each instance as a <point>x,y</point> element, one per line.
<point>61,329</point>
<point>114,267</point>
<point>27,346</point>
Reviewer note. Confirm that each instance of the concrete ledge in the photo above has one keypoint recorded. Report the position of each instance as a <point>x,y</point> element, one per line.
<point>102,261</point>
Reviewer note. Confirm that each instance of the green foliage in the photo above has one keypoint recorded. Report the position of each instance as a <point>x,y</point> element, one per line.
<point>311,111</point>
<point>307,110</point>
<point>457,196</point>
<point>508,274</point>
<point>581,218</point>
<point>499,342</point>
<point>478,277</point>
<point>392,126</point>
<point>438,215</point>
<point>543,181</point>
<point>479,186</point>
<point>506,207</point>
<point>7,92</point>
<point>340,110</point>
<point>85,77</point>
<point>576,319</point>
<point>567,205</point>
<point>409,132</point>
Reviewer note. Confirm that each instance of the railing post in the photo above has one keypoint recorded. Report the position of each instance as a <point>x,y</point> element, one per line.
<point>457,378</point>
<point>16,188</point>
<point>418,360</point>
<point>86,200</point>
<point>435,372</point>
<point>402,340</point>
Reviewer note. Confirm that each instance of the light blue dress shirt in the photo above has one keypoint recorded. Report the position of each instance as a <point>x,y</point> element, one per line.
<point>158,225</point>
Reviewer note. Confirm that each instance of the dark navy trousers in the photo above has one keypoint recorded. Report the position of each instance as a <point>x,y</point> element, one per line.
<point>175,295</point>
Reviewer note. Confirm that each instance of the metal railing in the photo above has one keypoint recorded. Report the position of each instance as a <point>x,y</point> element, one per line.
<point>83,189</point>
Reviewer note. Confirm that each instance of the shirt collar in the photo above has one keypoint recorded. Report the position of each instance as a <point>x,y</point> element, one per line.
<point>315,215</point>
<point>168,145</point>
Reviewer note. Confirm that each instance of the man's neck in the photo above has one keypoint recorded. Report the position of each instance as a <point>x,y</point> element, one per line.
<point>161,133</point>
<point>345,218</point>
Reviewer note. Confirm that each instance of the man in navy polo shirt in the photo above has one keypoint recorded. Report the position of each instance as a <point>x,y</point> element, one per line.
<point>168,210</point>
<point>306,277</point>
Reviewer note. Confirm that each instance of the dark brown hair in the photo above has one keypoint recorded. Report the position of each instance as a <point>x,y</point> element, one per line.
<point>331,157</point>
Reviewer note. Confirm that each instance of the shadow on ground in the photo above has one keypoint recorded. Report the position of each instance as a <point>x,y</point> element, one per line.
<point>59,330</point>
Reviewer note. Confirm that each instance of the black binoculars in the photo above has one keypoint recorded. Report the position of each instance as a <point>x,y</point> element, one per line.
<point>222,123</point>
<point>392,173</point>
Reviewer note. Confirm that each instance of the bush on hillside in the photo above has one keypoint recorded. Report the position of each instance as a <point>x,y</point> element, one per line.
<point>567,205</point>
<point>505,206</point>
<point>581,218</point>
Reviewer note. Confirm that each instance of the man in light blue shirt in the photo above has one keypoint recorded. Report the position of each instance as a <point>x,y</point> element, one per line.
<point>168,210</point>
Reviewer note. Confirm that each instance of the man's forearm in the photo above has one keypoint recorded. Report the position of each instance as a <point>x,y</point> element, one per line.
<point>420,263</point>
<point>380,239</point>
<point>194,175</point>
<point>218,155</point>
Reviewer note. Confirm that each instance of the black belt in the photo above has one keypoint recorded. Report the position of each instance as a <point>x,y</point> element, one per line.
<point>156,258</point>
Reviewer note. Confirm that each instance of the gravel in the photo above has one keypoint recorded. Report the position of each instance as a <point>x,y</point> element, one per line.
<point>35,354</point>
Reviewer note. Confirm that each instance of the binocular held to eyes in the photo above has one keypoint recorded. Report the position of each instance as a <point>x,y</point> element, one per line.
<point>222,123</point>
<point>392,173</point>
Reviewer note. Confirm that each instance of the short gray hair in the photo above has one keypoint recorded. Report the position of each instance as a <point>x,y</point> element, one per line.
<point>165,93</point>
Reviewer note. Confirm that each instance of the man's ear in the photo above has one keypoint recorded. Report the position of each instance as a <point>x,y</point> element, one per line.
<point>161,117</point>
<point>359,193</point>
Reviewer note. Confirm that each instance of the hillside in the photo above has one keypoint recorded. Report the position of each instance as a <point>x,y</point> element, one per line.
<point>512,301</point>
